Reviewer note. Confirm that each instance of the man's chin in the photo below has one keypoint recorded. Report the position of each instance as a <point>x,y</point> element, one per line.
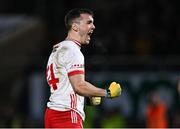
<point>86,43</point>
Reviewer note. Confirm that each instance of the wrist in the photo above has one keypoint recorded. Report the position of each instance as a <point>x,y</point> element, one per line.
<point>107,93</point>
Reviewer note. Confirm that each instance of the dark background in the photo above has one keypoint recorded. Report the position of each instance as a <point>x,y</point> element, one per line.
<point>133,40</point>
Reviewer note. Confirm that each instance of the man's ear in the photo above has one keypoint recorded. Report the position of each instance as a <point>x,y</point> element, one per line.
<point>75,26</point>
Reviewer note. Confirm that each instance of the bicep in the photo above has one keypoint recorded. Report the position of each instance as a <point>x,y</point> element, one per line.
<point>83,87</point>
<point>76,80</point>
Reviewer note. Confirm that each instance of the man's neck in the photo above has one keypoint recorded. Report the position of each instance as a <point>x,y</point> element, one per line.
<point>73,37</point>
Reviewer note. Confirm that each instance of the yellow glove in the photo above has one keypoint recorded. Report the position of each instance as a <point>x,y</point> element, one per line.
<point>114,90</point>
<point>95,100</point>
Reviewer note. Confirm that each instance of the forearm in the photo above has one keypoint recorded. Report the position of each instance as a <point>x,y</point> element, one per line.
<point>87,89</point>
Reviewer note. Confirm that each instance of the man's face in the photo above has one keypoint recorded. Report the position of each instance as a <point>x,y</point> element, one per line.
<point>85,28</point>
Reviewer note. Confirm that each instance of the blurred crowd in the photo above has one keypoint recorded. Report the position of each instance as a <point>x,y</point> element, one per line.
<point>139,27</point>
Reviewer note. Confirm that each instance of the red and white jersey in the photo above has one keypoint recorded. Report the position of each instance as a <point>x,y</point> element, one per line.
<point>65,60</point>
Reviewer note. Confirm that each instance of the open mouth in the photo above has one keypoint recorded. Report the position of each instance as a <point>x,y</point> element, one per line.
<point>90,33</point>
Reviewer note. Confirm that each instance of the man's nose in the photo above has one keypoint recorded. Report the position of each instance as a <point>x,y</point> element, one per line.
<point>93,26</point>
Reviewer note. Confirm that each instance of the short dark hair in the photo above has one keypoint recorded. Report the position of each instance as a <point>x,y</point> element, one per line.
<point>73,14</point>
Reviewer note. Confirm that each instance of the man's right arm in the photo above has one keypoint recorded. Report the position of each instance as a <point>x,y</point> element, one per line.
<point>85,88</point>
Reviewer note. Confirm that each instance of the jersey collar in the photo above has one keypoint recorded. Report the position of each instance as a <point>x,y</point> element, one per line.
<point>75,41</point>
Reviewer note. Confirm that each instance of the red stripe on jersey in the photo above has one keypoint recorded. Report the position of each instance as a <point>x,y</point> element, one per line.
<point>73,106</point>
<point>73,101</point>
<point>77,42</point>
<point>75,72</point>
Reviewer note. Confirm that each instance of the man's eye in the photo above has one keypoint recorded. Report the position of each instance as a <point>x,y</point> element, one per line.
<point>89,22</point>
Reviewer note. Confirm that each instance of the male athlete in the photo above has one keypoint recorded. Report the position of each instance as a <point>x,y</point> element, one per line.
<point>66,75</point>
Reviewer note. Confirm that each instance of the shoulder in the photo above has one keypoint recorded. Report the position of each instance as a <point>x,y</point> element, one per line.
<point>67,43</point>
<point>66,48</point>
<point>63,47</point>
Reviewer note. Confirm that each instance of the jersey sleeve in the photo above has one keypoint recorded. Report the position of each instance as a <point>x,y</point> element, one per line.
<point>75,63</point>
<point>72,60</point>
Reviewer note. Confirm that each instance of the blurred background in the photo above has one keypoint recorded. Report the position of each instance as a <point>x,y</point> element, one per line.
<point>136,43</point>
